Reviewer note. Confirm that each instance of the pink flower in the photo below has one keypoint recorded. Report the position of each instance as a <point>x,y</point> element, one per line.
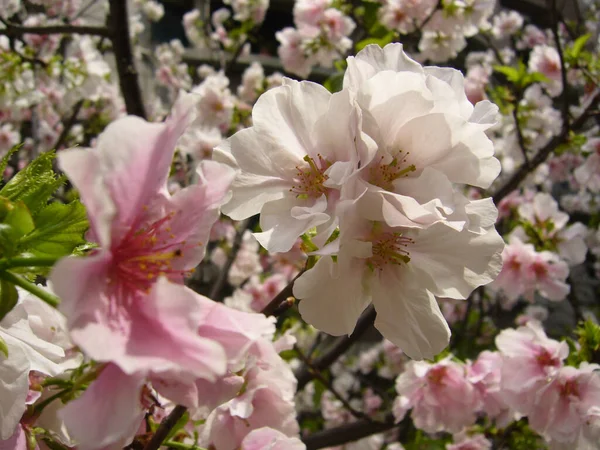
<point>441,397</point>
<point>108,413</point>
<point>464,441</point>
<point>114,312</point>
<point>529,359</point>
<point>486,375</point>
<point>270,439</point>
<point>545,59</point>
<point>567,405</point>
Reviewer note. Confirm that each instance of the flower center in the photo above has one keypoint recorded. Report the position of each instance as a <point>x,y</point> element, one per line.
<point>384,175</point>
<point>146,254</point>
<point>309,181</point>
<point>570,388</point>
<point>437,375</point>
<point>389,248</point>
<point>545,359</point>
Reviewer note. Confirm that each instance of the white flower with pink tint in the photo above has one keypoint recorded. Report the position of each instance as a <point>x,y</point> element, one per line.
<point>35,340</point>
<point>467,441</point>
<point>526,271</point>
<point>567,405</point>
<point>440,396</point>
<point>270,439</point>
<point>530,359</point>
<point>588,174</point>
<point>265,397</point>
<point>440,46</point>
<point>506,23</point>
<point>214,102</point>
<point>292,54</point>
<point>549,225</point>
<point>9,137</point>
<point>545,60</point>
<point>405,15</point>
<point>302,148</point>
<point>485,373</point>
<point>399,270</point>
<point>409,181</point>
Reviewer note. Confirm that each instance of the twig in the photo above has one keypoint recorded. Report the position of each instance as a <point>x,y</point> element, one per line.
<point>82,11</point>
<point>348,432</point>
<point>68,125</point>
<point>118,23</point>
<point>520,138</point>
<point>513,182</point>
<point>165,427</point>
<point>563,68</point>
<point>219,284</point>
<point>431,14</point>
<point>278,300</point>
<point>329,385</point>
<point>14,30</point>
<point>305,374</point>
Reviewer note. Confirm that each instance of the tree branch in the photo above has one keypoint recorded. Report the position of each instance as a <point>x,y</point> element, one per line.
<point>348,432</point>
<point>513,182</point>
<point>329,385</point>
<point>165,427</point>
<point>15,31</point>
<point>305,374</point>
<point>563,70</point>
<point>520,138</point>
<point>118,23</point>
<point>219,284</point>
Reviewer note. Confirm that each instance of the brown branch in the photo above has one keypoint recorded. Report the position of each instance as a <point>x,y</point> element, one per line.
<point>272,307</point>
<point>340,346</point>
<point>329,385</point>
<point>219,284</point>
<point>16,31</point>
<point>513,182</point>
<point>118,23</point>
<point>68,125</point>
<point>348,432</point>
<point>520,138</point>
<point>165,427</point>
<point>563,69</point>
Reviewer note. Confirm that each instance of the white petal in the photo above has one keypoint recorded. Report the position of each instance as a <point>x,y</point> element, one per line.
<point>409,316</point>
<point>331,300</point>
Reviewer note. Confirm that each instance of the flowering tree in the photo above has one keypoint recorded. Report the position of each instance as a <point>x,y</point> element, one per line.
<point>404,255</point>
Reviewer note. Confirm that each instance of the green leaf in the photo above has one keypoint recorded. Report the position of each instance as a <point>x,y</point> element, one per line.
<point>19,218</point>
<point>59,229</point>
<point>16,223</point>
<point>381,41</point>
<point>6,158</point>
<point>579,44</point>
<point>35,184</point>
<point>3,347</point>
<point>334,82</point>
<point>8,298</point>
<point>511,73</point>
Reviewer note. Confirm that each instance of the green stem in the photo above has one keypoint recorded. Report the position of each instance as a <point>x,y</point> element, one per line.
<point>43,294</point>
<point>36,261</point>
<point>181,446</point>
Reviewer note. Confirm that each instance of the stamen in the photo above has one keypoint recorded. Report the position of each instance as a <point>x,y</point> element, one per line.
<point>389,248</point>
<point>309,181</point>
<point>145,254</point>
<point>383,175</point>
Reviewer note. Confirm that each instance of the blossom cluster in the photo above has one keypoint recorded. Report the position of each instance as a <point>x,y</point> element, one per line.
<point>381,195</point>
<point>368,200</point>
